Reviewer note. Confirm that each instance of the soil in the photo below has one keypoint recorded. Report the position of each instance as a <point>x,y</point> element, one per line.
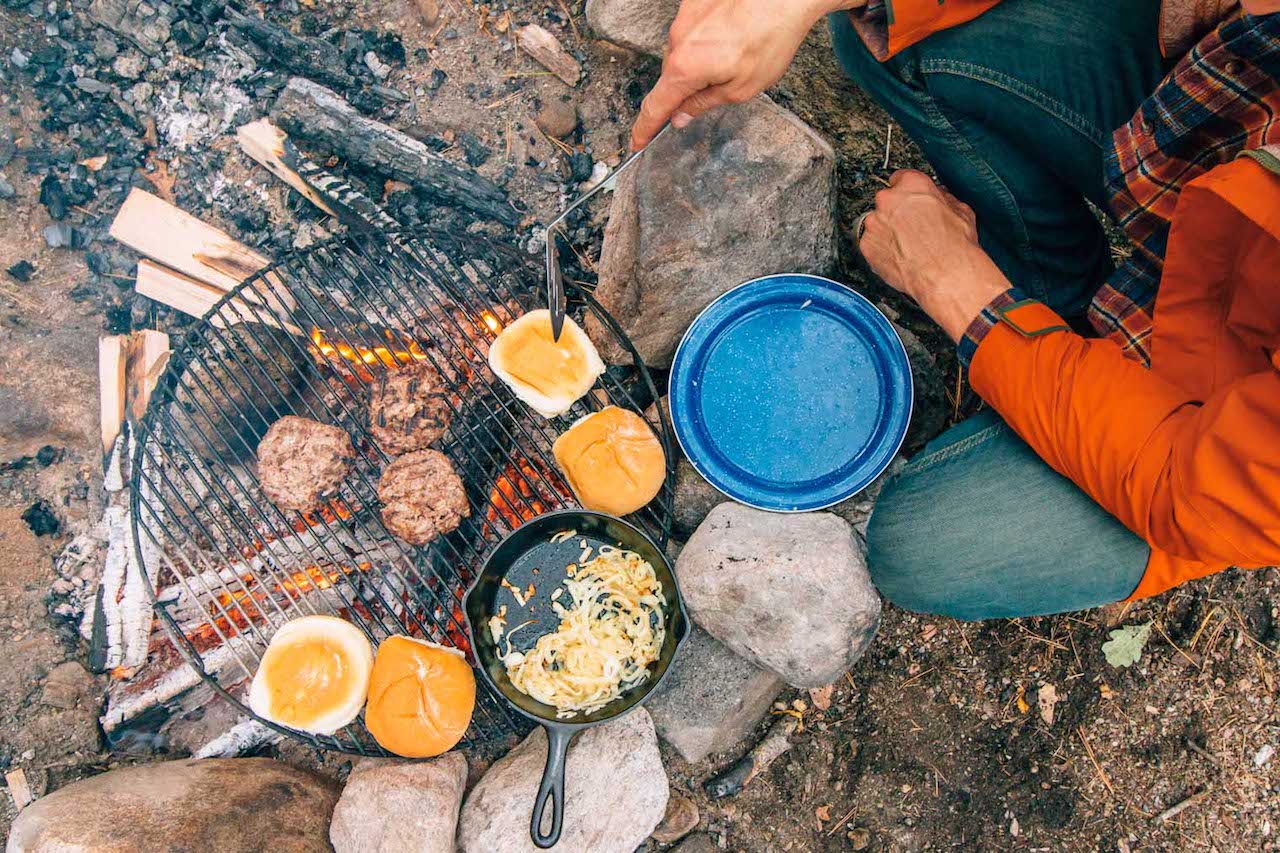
<point>935,739</point>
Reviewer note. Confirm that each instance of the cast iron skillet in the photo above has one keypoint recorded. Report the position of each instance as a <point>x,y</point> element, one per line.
<point>527,557</point>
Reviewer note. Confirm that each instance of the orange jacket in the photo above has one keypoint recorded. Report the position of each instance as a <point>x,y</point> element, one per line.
<point>1187,454</point>
<point>1182,22</point>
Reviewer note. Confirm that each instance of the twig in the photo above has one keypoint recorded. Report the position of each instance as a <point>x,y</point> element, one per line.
<point>1167,639</point>
<point>913,679</point>
<point>568,17</point>
<point>1203,753</point>
<point>888,139</point>
<point>841,822</point>
<point>1102,774</point>
<point>1178,808</point>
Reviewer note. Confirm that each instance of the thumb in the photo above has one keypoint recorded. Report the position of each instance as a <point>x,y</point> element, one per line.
<point>699,102</point>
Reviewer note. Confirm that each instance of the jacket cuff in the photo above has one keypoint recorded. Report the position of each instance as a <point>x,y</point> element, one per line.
<point>985,322</point>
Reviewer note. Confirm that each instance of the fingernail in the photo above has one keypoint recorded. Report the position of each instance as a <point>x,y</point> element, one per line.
<point>680,120</point>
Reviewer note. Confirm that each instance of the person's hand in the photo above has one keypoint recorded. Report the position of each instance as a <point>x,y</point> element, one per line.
<point>1260,7</point>
<point>923,241</point>
<point>725,52</point>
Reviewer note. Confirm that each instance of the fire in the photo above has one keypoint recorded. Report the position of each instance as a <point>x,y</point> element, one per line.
<point>233,611</point>
<point>401,351</point>
<point>493,323</point>
<point>522,494</point>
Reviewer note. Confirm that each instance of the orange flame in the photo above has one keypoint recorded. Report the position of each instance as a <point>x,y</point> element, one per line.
<point>519,495</point>
<point>400,352</point>
<point>492,322</point>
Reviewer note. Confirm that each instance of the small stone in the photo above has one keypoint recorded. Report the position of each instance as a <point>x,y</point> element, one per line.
<point>712,699</point>
<point>639,25</point>
<point>130,66</point>
<point>22,271</point>
<point>59,235</point>
<point>859,838</point>
<point>615,792</point>
<point>694,498</point>
<point>7,190</point>
<point>429,11</point>
<point>208,804</point>
<point>105,47</point>
<point>92,86</point>
<point>67,685</point>
<point>390,806</point>
<point>680,819</point>
<point>19,58</point>
<point>380,69</point>
<point>802,602</point>
<point>557,118</point>
<point>438,78</point>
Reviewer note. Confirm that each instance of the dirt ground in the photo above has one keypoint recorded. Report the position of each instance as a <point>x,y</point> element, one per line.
<point>938,738</point>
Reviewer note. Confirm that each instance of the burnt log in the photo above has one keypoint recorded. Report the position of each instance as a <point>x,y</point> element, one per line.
<point>308,110</point>
<point>313,57</point>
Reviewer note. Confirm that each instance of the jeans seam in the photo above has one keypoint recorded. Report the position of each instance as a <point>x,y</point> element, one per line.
<point>941,455</point>
<point>1020,89</point>
<point>962,145</point>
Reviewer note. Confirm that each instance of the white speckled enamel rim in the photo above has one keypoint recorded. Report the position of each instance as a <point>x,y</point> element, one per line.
<point>911,394</point>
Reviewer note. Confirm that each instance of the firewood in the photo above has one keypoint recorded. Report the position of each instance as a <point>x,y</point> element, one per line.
<point>177,239</point>
<point>270,146</point>
<point>19,788</point>
<point>546,49</point>
<point>148,357</point>
<point>775,742</point>
<point>313,57</point>
<point>306,109</point>
<point>111,387</point>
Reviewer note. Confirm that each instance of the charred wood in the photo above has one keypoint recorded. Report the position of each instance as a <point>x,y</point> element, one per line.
<point>308,110</point>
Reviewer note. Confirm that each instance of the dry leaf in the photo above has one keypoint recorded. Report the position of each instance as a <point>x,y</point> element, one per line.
<point>430,12</point>
<point>94,164</point>
<point>1047,697</point>
<point>929,632</point>
<point>162,179</point>
<point>1023,707</point>
<point>1105,690</point>
<point>1126,644</point>
<point>821,696</point>
<point>823,813</point>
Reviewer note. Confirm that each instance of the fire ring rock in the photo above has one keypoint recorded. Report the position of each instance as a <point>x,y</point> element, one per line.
<point>206,804</point>
<point>615,792</point>
<point>789,593</point>
<point>744,191</point>
<point>389,806</point>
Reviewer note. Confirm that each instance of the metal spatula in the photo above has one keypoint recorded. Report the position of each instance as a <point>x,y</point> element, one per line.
<point>555,280</point>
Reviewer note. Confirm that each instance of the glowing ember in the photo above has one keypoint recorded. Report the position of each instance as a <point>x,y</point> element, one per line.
<point>401,351</point>
<point>522,493</point>
<point>492,322</point>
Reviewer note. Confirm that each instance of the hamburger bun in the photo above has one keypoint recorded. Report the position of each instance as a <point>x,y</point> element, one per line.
<point>612,460</point>
<point>421,696</point>
<point>549,376</point>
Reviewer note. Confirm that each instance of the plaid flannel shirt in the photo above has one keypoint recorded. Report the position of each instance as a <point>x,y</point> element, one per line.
<point>1222,98</point>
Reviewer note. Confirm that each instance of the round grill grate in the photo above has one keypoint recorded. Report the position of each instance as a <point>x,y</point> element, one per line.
<point>310,336</point>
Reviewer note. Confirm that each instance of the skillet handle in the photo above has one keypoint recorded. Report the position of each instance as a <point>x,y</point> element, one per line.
<point>552,788</point>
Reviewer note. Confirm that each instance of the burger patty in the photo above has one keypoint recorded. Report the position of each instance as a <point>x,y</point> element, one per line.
<point>409,408</point>
<point>422,497</point>
<point>301,462</point>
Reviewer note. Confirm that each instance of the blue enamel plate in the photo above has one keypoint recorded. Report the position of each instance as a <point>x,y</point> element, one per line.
<point>790,393</point>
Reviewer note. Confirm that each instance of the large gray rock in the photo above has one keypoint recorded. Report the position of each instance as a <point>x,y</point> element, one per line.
<point>391,806</point>
<point>636,24</point>
<point>744,191</point>
<point>790,593</point>
<point>712,699</point>
<point>615,792</point>
<point>227,804</point>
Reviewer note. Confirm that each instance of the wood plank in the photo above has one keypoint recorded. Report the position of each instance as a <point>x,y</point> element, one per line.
<point>270,147</point>
<point>175,238</point>
<point>196,298</point>
<point>112,356</point>
<point>546,49</point>
<point>148,355</point>
<point>19,788</point>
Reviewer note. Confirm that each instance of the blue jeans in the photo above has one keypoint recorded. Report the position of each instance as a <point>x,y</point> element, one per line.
<point>1014,112</point>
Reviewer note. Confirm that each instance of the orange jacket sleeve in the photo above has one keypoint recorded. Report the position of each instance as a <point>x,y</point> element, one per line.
<point>1199,480</point>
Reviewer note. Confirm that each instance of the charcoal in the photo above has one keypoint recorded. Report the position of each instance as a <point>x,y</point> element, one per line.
<point>475,151</point>
<point>47,455</point>
<point>438,78</point>
<point>41,519</point>
<point>92,86</point>
<point>54,198</point>
<point>59,235</point>
<point>580,165</point>
<point>19,58</point>
<point>186,34</point>
<point>7,190</point>
<point>22,271</point>
<point>7,148</point>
